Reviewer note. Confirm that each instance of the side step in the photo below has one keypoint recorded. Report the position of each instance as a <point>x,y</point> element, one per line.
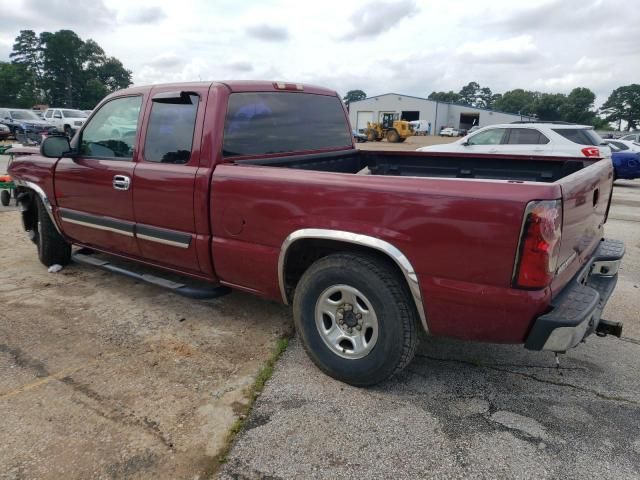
<point>191,291</point>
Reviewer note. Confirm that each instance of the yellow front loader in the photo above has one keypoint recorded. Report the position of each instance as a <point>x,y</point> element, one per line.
<point>391,128</point>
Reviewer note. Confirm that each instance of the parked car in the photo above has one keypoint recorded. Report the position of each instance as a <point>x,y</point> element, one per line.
<point>632,137</point>
<point>358,137</point>
<point>494,248</point>
<point>25,122</point>
<point>5,132</point>
<point>626,165</point>
<point>565,140</point>
<point>66,120</point>
<point>622,145</point>
<point>449,132</point>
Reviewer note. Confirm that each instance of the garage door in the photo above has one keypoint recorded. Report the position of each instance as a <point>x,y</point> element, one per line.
<point>362,119</point>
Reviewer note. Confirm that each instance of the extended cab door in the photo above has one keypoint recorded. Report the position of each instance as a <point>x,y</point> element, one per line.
<point>94,189</point>
<point>163,193</point>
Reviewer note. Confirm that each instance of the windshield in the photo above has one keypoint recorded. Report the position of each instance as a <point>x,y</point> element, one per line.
<point>74,114</point>
<point>24,115</point>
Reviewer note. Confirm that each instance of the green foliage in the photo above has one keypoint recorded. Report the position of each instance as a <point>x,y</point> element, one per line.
<point>59,69</point>
<point>517,101</point>
<point>623,105</point>
<point>17,86</point>
<point>449,97</point>
<point>354,96</point>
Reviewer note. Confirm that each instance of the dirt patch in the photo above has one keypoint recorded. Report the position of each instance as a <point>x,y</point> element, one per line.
<point>104,377</point>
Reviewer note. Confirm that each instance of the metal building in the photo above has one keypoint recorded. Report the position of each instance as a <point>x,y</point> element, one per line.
<point>438,114</point>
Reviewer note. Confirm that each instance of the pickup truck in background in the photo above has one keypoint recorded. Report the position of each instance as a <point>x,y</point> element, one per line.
<point>66,120</point>
<point>257,186</point>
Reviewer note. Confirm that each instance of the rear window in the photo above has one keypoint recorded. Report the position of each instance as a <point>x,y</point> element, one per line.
<point>581,136</point>
<point>261,123</point>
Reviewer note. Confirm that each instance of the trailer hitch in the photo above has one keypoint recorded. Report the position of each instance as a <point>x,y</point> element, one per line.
<point>606,327</point>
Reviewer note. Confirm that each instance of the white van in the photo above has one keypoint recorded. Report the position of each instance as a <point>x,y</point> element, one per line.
<point>421,127</point>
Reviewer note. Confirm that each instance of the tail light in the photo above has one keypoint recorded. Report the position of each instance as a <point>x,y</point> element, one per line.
<point>539,244</point>
<point>591,151</point>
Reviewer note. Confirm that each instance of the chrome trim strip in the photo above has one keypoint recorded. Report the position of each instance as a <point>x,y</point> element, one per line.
<point>98,227</point>
<point>385,247</point>
<point>162,240</point>
<point>43,197</point>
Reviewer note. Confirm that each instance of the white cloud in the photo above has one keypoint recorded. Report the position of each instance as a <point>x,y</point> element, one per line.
<point>376,17</point>
<point>520,49</point>
<point>379,46</point>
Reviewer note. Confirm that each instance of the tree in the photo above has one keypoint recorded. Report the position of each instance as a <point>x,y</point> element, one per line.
<point>469,93</point>
<point>517,101</point>
<point>27,52</point>
<point>354,96</point>
<point>16,86</point>
<point>548,106</point>
<point>59,68</point>
<point>448,97</point>
<point>577,107</point>
<point>623,105</point>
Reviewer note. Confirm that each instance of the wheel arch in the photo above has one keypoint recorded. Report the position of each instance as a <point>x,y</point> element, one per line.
<point>37,190</point>
<point>327,241</point>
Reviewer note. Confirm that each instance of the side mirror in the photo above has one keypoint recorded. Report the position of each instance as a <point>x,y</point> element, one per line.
<point>465,144</point>
<point>55,147</point>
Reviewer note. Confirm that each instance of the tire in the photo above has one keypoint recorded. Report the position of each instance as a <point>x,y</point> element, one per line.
<point>52,247</point>
<point>374,290</point>
<point>371,135</point>
<point>67,131</point>
<point>392,136</point>
<point>5,198</point>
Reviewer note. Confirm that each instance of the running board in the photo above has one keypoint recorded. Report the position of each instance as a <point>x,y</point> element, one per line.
<point>197,292</point>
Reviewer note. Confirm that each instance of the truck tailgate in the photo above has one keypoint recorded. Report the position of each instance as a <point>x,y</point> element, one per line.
<point>585,199</point>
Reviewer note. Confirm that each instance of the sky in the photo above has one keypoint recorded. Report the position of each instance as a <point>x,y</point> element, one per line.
<point>405,46</point>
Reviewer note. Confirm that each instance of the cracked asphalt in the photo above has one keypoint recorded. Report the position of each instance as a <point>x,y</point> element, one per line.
<point>465,410</point>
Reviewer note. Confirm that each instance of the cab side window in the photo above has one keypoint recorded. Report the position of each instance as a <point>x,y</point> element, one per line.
<point>488,137</point>
<point>526,136</point>
<point>170,132</point>
<point>111,132</point>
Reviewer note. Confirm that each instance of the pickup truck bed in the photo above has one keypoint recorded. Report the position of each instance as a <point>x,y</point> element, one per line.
<point>228,184</point>
<point>434,165</point>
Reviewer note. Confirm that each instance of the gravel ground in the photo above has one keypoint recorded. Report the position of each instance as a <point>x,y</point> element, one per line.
<point>104,377</point>
<point>464,410</point>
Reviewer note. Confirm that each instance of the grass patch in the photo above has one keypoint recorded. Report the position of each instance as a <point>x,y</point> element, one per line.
<point>252,393</point>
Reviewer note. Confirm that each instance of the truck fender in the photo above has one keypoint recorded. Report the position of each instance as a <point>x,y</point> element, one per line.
<point>43,197</point>
<point>390,251</point>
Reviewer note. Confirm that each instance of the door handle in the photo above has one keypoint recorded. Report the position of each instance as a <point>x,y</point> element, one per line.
<point>121,182</point>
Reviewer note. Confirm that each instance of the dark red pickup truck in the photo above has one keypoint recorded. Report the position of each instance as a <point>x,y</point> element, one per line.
<point>256,186</point>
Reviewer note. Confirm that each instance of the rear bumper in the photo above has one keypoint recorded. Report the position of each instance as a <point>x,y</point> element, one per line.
<point>577,309</point>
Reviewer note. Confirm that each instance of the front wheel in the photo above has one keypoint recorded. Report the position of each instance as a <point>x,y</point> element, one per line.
<point>52,247</point>
<point>5,198</point>
<point>355,318</point>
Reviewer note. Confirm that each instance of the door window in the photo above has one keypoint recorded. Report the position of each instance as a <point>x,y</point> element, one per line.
<point>526,136</point>
<point>48,114</point>
<point>488,137</point>
<point>170,132</point>
<point>111,132</point>
<point>57,114</point>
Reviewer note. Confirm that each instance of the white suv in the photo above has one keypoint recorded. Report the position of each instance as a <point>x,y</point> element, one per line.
<point>66,120</point>
<point>553,139</point>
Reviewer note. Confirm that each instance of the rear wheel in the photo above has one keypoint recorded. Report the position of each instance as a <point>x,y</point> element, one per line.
<point>52,247</point>
<point>392,136</point>
<point>371,135</point>
<point>355,318</point>
<point>67,131</point>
